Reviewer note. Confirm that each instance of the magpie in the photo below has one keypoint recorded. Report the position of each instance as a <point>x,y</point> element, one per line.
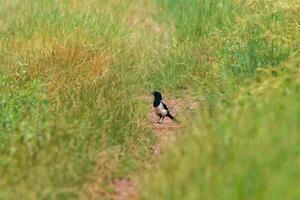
<point>160,108</point>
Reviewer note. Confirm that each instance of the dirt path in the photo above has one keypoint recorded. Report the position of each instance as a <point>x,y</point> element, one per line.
<point>126,189</point>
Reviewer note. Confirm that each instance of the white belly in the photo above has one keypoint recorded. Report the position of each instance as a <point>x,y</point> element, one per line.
<point>160,110</point>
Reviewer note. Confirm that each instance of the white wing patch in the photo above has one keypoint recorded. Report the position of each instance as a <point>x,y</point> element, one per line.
<point>160,110</point>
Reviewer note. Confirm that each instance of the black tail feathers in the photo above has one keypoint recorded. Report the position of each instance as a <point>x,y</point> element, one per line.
<point>171,117</point>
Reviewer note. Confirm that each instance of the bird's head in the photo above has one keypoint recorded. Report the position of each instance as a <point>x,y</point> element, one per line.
<point>157,95</point>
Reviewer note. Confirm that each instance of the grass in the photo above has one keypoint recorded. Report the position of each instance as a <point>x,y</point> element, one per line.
<point>244,144</point>
<point>245,151</point>
<point>72,73</point>
<point>65,99</point>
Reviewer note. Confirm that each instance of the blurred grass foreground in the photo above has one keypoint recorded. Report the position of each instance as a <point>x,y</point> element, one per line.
<point>71,72</point>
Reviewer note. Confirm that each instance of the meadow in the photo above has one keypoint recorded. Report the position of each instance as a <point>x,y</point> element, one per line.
<point>72,74</point>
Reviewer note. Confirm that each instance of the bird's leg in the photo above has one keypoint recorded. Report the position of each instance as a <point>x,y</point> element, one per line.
<point>159,119</point>
<point>162,119</point>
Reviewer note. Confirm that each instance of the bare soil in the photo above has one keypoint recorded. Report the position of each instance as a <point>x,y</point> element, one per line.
<point>125,189</point>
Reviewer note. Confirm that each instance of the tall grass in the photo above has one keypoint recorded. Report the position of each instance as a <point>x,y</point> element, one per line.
<point>71,73</point>
<point>243,144</point>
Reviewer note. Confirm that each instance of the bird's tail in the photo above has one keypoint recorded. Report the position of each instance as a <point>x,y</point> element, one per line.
<point>171,117</point>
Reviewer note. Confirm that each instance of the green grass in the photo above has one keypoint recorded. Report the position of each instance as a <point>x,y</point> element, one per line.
<point>72,74</point>
<point>69,94</point>
<point>244,151</point>
<point>244,144</point>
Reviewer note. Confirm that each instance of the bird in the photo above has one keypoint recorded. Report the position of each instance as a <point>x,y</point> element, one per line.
<point>160,107</point>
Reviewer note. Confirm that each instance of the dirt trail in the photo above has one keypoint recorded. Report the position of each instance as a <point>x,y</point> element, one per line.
<point>126,189</point>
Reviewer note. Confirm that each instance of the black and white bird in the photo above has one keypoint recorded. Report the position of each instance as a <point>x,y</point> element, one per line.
<point>160,108</point>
